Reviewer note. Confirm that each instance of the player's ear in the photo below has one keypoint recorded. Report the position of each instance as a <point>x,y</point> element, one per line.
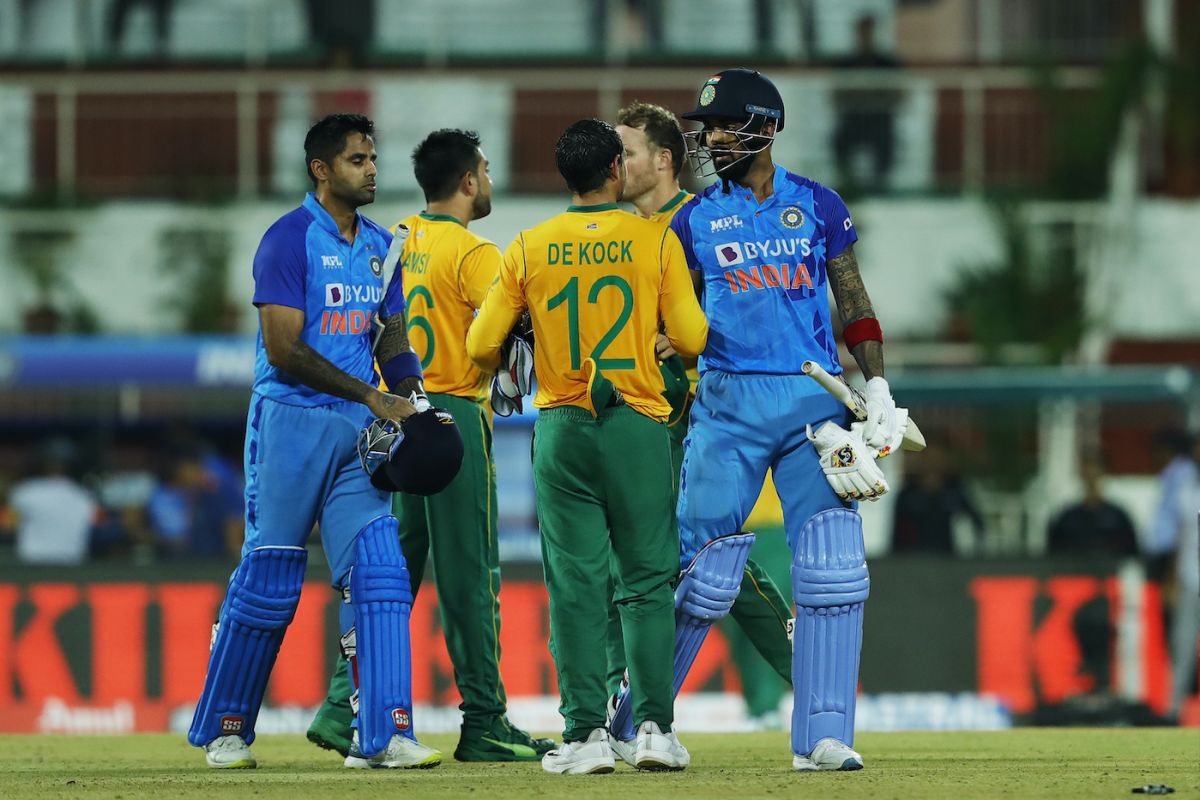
<point>320,169</point>
<point>469,184</point>
<point>614,169</point>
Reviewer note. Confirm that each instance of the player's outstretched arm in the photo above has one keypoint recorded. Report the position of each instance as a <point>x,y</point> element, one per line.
<point>685,325</point>
<point>501,309</point>
<point>281,326</point>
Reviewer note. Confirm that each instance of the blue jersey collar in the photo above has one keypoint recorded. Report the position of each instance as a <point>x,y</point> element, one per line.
<point>743,196</point>
<point>324,219</point>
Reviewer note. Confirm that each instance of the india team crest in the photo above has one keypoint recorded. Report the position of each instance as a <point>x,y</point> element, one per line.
<point>708,94</point>
<point>376,266</point>
<point>791,217</point>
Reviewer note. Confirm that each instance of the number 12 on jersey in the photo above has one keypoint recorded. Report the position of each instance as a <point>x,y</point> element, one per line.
<point>570,296</point>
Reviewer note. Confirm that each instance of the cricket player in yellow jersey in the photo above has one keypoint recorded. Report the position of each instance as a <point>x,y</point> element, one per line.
<point>599,283</point>
<point>447,271</point>
<point>654,157</point>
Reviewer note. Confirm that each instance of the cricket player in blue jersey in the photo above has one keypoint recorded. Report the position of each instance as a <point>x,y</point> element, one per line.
<point>320,290</point>
<point>764,246</point>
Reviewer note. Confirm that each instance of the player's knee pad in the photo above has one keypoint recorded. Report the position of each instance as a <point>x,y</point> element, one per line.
<point>378,645</point>
<point>262,598</point>
<point>706,592</point>
<point>830,584</point>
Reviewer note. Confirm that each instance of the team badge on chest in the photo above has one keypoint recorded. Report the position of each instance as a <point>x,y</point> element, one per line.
<point>376,266</point>
<point>791,217</point>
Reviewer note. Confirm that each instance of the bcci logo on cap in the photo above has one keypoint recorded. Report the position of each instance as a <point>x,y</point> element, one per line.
<point>401,719</point>
<point>230,725</point>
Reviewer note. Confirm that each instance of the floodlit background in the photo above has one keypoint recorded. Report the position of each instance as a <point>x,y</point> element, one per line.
<point>1025,178</point>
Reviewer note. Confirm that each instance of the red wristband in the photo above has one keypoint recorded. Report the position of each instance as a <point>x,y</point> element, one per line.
<point>862,330</point>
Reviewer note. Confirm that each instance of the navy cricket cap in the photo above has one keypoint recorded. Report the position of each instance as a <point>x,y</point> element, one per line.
<point>737,93</point>
<point>427,458</point>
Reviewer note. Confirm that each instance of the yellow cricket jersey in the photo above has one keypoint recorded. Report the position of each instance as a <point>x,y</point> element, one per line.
<point>667,213</point>
<point>447,273</point>
<point>596,280</point>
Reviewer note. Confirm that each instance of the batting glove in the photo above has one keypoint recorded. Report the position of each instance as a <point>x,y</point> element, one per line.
<point>848,463</point>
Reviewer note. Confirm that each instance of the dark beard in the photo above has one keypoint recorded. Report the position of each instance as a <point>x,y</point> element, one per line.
<point>736,170</point>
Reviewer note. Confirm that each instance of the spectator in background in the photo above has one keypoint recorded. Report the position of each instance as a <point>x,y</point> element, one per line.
<point>1174,448</point>
<point>344,28</point>
<point>865,117</point>
<point>1093,525</point>
<point>928,505</point>
<point>118,16</point>
<point>1174,549</point>
<point>196,509</point>
<point>54,514</point>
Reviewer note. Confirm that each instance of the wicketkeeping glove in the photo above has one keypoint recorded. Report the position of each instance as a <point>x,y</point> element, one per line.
<point>515,377</point>
<point>848,463</point>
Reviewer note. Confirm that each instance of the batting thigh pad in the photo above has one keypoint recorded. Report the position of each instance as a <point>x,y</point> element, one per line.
<point>382,664</point>
<point>829,584</point>
<point>707,590</point>
<point>261,601</point>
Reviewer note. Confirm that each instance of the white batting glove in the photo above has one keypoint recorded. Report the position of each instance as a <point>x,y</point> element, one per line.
<point>882,424</point>
<point>848,463</point>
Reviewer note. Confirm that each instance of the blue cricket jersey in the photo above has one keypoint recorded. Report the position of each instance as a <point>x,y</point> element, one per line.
<point>765,289</point>
<point>305,263</point>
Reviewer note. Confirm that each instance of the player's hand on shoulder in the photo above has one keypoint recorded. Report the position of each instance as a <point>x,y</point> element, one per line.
<point>882,425</point>
<point>390,406</point>
<point>848,462</point>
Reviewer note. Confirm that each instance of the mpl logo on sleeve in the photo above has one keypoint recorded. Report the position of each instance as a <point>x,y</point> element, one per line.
<point>335,294</point>
<point>729,254</point>
<point>331,262</point>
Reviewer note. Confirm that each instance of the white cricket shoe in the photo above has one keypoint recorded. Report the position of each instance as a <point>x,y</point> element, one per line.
<point>626,751</point>
<point>655,750</point>
<point>400,753</point>
<point>829,754</point>
<point>229,752</point>
<point>591,757</point>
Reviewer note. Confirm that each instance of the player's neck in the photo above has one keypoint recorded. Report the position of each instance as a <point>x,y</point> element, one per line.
<point>760,179</point>
<point>344,215</point>
<point>602,196</point>
<point>653,201</point>
<point>457,207</point>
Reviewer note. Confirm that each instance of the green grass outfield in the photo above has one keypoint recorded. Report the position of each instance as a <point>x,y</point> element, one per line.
<point>1024,763</point>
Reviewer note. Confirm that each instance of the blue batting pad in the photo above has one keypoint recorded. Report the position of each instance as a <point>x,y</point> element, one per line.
<point>829,584</point>
<point>261,601</point>
<point>382,598</point>
<point>707,590</point>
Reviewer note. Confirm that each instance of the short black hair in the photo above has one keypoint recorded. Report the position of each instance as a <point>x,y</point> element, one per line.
<point>442,159</point>
<point>660,126</point>
<point>584,153</point>
<point>328,138</point>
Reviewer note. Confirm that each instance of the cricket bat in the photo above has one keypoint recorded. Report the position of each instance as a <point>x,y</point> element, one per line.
<point>853,399</point>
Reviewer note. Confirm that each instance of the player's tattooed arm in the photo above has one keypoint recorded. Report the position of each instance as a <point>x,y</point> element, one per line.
<point>393,340</point>
<point>854,304</point>
<point>281,326</point>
